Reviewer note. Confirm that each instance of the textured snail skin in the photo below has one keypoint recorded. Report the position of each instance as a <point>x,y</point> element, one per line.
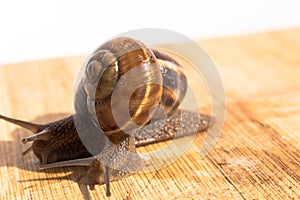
<point>60,140</point>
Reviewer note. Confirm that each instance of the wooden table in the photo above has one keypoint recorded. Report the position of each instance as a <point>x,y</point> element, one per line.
<point>256,157</point>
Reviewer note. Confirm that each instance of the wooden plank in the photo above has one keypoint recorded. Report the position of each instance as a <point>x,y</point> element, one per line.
<point>257,155</point>
<point>259,148</point>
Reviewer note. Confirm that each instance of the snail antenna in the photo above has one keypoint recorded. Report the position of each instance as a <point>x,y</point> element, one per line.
<point>44,135</point>
<point>30,126</point>
<point>77,162</point>
<point>106,180</point>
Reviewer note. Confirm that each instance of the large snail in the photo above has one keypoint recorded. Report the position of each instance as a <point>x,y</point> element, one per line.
<point>121,74</point>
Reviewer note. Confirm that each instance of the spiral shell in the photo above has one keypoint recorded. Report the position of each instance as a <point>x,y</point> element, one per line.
<point>126,80</point>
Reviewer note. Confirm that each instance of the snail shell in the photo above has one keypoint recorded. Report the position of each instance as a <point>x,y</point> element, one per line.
<point>124,72</point>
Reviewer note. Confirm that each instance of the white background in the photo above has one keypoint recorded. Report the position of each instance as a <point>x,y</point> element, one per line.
<point>36,29</point>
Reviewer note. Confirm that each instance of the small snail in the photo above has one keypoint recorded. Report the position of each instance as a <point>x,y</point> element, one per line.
<point>121,74</point>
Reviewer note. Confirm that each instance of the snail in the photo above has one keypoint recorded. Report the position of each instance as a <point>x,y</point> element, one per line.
<point>121,74</point>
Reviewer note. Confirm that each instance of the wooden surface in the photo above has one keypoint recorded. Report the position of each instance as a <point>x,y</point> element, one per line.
<point>256,157</point>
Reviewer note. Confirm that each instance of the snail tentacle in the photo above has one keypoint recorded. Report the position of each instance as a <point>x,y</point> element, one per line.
<point>68,163</point>
<point>35,128</point>
<point>44,135</point>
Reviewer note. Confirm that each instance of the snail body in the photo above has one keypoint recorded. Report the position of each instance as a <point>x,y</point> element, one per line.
<point>119,72</point>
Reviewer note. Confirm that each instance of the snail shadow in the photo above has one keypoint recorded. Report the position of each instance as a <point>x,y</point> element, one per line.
<point>13,157</point>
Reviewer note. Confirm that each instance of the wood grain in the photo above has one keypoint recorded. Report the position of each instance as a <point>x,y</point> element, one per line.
<point>256,157</point>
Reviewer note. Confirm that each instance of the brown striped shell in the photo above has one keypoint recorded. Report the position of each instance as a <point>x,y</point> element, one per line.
<point>124,75</point>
